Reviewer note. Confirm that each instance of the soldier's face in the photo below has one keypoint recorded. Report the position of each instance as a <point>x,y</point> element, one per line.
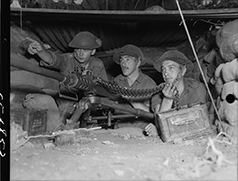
<point>82,55</point>
<point>128,64</point>
<point>171,71</point>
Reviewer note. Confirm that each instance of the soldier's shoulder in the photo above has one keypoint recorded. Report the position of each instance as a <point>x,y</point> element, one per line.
<point>119,77</point>
<point>96,61</point>
<point>194,84</point>
<point>147,78</point>
<point>64,55</point>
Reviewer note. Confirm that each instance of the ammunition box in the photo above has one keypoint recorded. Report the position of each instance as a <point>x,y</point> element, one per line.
<point>36,122</point>
<point>186,123</point>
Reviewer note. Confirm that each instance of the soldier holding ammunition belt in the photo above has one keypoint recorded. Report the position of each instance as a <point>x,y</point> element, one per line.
<point>173,65</point>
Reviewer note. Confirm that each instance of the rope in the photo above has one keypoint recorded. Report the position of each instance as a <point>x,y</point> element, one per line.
<point>199,66</point>
<point>21,15</point>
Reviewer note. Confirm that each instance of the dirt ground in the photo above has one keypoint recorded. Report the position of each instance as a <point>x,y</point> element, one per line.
<point>123,154</point>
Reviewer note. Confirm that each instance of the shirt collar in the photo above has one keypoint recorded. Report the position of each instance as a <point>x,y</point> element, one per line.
<point>139,78</point>
<point>79,64</point>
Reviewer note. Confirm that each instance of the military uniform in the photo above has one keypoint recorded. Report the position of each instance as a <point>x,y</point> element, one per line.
<point>194,93</point>
<point>66,63</point>
<point>142,82</point>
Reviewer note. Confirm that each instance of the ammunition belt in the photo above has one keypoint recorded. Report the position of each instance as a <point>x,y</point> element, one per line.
<point>135,93</point>
<point>87,83</point>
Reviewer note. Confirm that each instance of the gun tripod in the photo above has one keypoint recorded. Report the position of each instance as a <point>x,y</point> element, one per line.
<point>113,111</point>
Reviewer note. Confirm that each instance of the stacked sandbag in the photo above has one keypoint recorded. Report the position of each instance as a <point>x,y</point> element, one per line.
<point>227,40</point>
<point>226,79</point>
<point>19,54</point>
<point>22,81</point>
<point>227,104</point>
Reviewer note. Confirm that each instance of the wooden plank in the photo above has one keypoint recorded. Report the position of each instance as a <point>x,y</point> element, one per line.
<point>114,16</point>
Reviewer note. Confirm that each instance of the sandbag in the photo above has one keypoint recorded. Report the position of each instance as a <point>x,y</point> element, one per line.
<point>44,102</point>
<point>230,88</point>
<point>230,71</point>
<point>218,70</point>
<point>229,48</point>
<point>22,77</point>
<point>218,85</point>
<point>226,31</point>
<point>229,112</point>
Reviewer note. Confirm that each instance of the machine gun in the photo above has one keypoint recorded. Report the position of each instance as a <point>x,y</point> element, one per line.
<point>99,92</point>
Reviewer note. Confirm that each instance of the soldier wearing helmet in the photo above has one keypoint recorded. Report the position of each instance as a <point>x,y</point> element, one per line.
<point>130,58</point>
<point>80,61</point>
<point>173,65</point>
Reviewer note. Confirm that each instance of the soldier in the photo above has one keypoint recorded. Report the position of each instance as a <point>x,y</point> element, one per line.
<point>130,58</point>
<point>80,61</point>
<point>173,65</point>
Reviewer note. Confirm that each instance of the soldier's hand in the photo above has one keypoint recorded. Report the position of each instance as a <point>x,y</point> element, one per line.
<point>169,91</point>
<point>34,47</point>
<point>84,103</point>
<point>87,72</point>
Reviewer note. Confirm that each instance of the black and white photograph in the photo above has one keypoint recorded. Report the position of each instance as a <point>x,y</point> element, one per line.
<point>119,90</point>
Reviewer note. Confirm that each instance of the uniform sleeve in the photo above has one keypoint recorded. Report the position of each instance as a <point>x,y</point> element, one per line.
<point>155,100</point>
<point>116,79</point>
<point>151,83</point>
<point>58,61</point>
<point>103,73</point>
